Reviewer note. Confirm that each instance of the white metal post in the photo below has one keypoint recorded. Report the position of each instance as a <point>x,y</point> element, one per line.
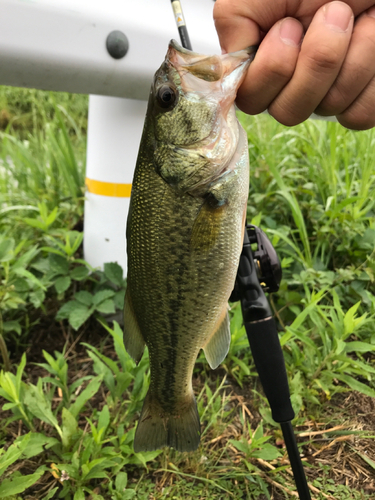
<point>114,133</point>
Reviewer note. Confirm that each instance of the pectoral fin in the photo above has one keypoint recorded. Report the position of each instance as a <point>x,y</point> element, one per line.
<point>133,340</point>
<point>218,345</point>
<point>207,226</point>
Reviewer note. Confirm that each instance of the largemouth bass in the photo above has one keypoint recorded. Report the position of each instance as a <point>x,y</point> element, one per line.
<point>184,235</point>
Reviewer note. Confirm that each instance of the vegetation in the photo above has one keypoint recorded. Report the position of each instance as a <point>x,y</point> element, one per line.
<point>71,395</point>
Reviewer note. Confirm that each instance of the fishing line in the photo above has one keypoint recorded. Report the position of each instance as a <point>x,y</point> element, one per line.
<point>259,272</point>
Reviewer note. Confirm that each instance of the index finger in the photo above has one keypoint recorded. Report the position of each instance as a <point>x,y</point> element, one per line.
<point>235,31</point>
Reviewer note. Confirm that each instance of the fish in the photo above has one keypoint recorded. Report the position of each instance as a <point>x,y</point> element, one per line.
<point>184,235</point>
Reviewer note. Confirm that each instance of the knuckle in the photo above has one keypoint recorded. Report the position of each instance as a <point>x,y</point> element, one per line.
<point>219,10</point>
<point>364,31</point>
<point>223,9</point>
<point>285,114</point>
<point>281,70</point>
<point>358,117</point>
<point>324,59</point>
<point>333,103</point>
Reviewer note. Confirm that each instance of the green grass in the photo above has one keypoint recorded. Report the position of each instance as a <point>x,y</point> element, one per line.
<point>312,191</point>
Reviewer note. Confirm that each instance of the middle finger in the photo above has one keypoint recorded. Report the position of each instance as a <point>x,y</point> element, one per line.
<point>322,53</point>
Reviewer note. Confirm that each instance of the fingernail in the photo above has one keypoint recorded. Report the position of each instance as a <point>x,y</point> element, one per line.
<point>338,16</point>
<point>291,32</point>
<point>371,12</point>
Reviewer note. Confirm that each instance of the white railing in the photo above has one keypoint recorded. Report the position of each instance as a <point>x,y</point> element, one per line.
<point>61,45</point>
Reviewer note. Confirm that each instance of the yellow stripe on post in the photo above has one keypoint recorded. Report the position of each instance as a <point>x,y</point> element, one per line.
<point>108,188</point>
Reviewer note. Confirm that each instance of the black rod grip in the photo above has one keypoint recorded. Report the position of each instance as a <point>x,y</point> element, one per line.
<point>269,361</point>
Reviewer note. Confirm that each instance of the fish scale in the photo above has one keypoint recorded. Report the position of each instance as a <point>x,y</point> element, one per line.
<point>184,239</point>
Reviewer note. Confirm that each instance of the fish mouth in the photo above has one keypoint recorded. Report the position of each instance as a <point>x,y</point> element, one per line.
<point>215,74</point>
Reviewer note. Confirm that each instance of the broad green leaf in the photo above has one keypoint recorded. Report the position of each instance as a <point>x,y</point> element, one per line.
<point>119,299</point>
<point>242,365</point>
<point>84,298</point>
<point>42,265</point>
<point>103,370</point>
<point>341,345</point>
<point>8,406</point>
<point>69,427</point>
<point>12,326</point>
<point>106,307</point>
<point>21,285</point>
<point>121,481</point>
<point>367,459</point>
<point>91,389</point>
<point>37,297</point>
<point>40,407</point>
<point>349,319</point>
<point>307,310</point>
<point>25,259</point>
<point>79,273</point>
<point>123,380</point>
<point>241,446</point>
<point>101,296</point>
<point>95,468</point>
<point>52,216</point>
<point>73,241</point>
<point>79,315</point>
<point>6,249</point>
<point>54,364</point>
<point>118,338</point>
<point>114,273</point>
<point>267,452</point>
<point>58,263</point>
<point>19,484</point>
<point>79,494</point>
<point>62,284</point>
<point>356,385</point>
<point>9,390</point>
<point>30,276</point>
<point>107,361</point>
<point>51,494</point>
<point>38,224</point>
<point>66,309</point>
<point>144,457</point>
<point>128,494</point>
<point>13,453</point>
<point>356,346</point>
<point>104,418</point>
<point>37,444</point>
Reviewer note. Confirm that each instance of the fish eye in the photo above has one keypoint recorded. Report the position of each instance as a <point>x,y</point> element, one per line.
<point>166,96</point>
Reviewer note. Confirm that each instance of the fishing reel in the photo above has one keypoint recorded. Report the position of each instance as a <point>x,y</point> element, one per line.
<point>259,267</point>
<point>268,263</point>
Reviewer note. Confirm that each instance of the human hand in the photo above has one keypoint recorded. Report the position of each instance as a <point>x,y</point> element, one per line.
<point>314,56</point>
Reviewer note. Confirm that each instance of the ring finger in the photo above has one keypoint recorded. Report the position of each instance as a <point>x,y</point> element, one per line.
<point>357,71</point>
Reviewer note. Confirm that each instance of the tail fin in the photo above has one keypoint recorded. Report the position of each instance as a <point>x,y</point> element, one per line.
<point>157,428</point>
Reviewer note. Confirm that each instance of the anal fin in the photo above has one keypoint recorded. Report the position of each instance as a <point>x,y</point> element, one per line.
<point>218,345</point>
<point>133,340</point>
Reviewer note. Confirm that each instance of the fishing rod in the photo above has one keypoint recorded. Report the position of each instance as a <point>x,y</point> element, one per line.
<point>260,272</point>
<point>181,25</point>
